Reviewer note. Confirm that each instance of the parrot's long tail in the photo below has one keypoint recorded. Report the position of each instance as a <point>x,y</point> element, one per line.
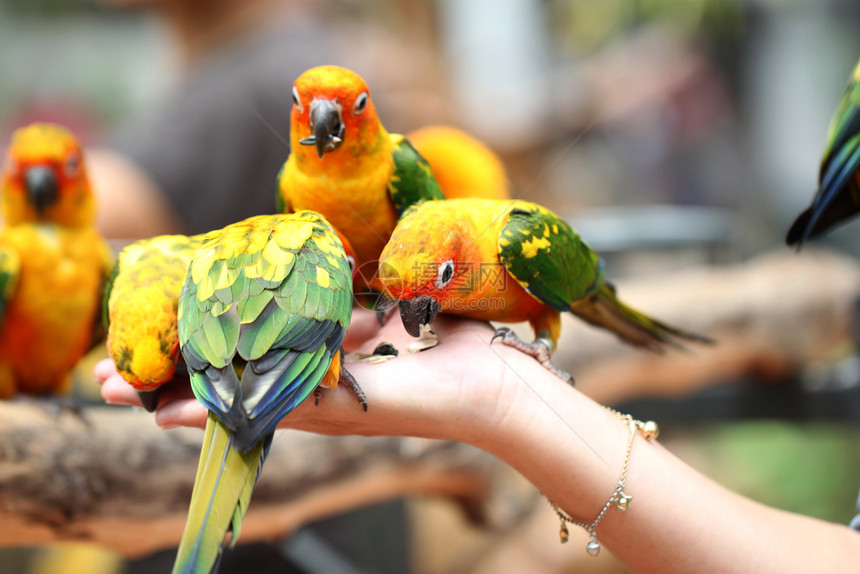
<point>222,491</point>
<point>604,309</point>
<point>823,215</point>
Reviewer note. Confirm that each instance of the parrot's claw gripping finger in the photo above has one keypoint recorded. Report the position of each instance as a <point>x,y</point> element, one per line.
<point>349,382</point>
<point>317,395</point>
<point>539,349</point>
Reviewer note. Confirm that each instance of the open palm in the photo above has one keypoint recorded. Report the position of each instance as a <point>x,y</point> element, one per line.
<point>407,395</point>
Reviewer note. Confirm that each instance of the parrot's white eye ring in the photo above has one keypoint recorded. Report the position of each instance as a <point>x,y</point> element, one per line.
<point>445,274</point>
<point>350,260</point>
<point>360,103</point>
<point>73,163</point>
<point>296,100</point>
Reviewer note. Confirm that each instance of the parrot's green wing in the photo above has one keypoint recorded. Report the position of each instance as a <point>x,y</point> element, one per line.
<point>412,180</point>
<point>547,257</point>
<point>10,269</point>
<point>837,197</point>
<point>108,289</point>
<point>262,312</point>
<point>271,296</point>
<point>846,121</point>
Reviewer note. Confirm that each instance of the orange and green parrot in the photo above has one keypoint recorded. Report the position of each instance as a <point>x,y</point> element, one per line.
<point>262,314</point>
<point>508,261</point>
<point>838,195</point>
<point>344,164</point>
<point>462,165</point>
<point>140,306</point>
<point>53,262</point>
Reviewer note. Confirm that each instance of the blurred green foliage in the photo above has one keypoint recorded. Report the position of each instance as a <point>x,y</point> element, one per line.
<point>44,8</point>
<point>808,468</point>
<point>581,26</point>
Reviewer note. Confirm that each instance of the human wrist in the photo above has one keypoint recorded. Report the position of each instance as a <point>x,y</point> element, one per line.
<point>522,389</point>
<point>548,417</point>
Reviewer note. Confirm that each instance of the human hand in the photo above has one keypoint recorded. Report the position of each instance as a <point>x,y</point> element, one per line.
<point>456,389</point>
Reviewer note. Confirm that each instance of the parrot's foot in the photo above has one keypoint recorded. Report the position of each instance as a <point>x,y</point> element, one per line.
<point>539,349</point>
<point>346,379</point>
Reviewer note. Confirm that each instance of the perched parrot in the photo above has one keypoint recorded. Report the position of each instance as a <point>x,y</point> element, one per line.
<point>262,315</point>
<point>838,196</point>
<point>462,165</point>
<point>344,164</point>
<point>140,304</point>
<point>508,261</point>
<point>53,262</point>
<point>140,309</point>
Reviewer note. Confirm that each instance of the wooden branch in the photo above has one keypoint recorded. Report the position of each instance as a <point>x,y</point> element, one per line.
<point>770,316</point>
<point>122,482</point>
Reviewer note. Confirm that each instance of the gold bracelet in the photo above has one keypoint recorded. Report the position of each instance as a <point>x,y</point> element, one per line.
<point>649,430</point>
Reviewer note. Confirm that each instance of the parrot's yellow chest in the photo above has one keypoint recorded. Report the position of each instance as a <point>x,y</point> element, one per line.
<point>48,321</point>
<point>142,338</point>
<point>356,202</point>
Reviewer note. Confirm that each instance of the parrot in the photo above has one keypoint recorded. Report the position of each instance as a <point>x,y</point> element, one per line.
<point>508,261</point>
<point>346,166</point>
<point>462,165</point>
<point>262,314</point>
<point>53,262</point>
<point>838,195</point>
<point>139,308</point>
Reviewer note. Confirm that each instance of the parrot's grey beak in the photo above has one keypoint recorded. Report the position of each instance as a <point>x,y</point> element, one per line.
<point>326,126</point>
<point>416,312</point>
<point>42,187</point>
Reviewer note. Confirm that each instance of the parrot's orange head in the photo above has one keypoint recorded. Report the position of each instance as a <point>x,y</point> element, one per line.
<point>44,178</point>
<point>332,110</point>
<point>425,261</point>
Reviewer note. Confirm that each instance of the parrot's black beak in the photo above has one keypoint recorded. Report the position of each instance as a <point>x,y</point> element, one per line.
<point>416,312</point>
<point>149,399</point>
<point>326,126</point>
<point>42,188</point>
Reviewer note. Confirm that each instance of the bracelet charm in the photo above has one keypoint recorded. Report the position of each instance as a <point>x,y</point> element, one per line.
<point>649,430</point>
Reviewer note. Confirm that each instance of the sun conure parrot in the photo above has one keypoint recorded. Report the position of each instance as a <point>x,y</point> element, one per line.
<point>508,261</point>
<point>140,304</point>
<point>140,309</point>
<point>462,165</point>
<point>262,315</point>
<point>838,195</point>
<point>344,164</point>
<point>53,262</point>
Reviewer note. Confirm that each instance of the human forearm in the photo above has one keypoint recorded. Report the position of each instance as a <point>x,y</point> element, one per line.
<point>570,447</point>
<point>573,450</point>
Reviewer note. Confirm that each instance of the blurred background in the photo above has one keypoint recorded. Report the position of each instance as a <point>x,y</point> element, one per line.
<point>670,132</point>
